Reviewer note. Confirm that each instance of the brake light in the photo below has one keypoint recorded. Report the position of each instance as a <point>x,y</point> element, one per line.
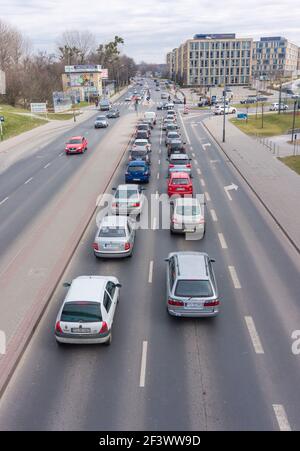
<point>137,204</point>
<point>58,328</point>
<point>189,165</point>
<point>104,328</point>
<point>175,303</point>
<point>127,246</point>
<point>212,303</point>
<point>171,165</point>
<point>95,246</point>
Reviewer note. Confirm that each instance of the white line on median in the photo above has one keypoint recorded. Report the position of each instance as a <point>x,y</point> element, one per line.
<point>4,200</point>
<point>214,215</point>
<point>199,171</point>
<point>158,176</point>
<point>159,161</point>
<point>281,417</point>
<point>28,181</point>
<point>222,241</point>
<point>47,165</point>
<point>207,196</point>
<point>234,277</point>
<point>150,278</point>
<point>202,182</point>
<point>143,364</point>
<point>154,224</point>
<point>254,335</point>
<point>61,154</point>
<point>193,155</point>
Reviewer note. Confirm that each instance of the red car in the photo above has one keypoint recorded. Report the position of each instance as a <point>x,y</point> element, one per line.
<point>76,144</point>
<point>180,183</point>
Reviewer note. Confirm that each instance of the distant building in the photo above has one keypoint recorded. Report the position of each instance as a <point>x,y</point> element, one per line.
<point>212,59</point>
<point>274,57</point>
<point>87,80</point>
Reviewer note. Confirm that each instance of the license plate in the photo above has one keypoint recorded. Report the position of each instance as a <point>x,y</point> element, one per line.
<point>136,180</point>
<point>180,189</point>
<point>81,331</point>
<point>111,246</point>
<point>190,229</point>
<point>193,305</point>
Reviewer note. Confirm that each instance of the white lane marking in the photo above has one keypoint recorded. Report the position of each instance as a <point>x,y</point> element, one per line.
<point>207,197</point>
<point>159,151</point>
<point>214,215</point>
<point>159,161</point>
<point>196,162</point>
<point>158,176</point>
<point>4,200</point>
<point>47,165</point>
<point>202,182</point>
<point>28,181</point>
<point>154,223</point>
<point>222,241</point>
<point>150,278</point>
<point>185,131</point>
<point>61,154</point>
<point>205,145</point>
<point>281,417</point>
<point>254,335</point>
<point>193,155</point>
<point>156,195</point>
<point>230,188</point>
<point>234,277</point>
<point>143,364</point>
<point>199,171</point>
<point>228,194</point>
<point>192,148</point>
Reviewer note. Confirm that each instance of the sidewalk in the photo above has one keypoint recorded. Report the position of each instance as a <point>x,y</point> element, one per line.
<point>277,186</point>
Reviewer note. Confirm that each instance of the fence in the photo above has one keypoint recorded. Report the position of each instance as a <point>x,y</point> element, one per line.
<point>276,149</point>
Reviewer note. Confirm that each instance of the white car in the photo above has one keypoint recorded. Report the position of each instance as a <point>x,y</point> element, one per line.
<point>228,110</point>
<point>188,217</point>
<point>141,144</point>
<point>101,122</point>
<point>115,237</point>
<point>150,115</point>
<point>128,200</point>
<point>87,313</point>
<point>275,107</point>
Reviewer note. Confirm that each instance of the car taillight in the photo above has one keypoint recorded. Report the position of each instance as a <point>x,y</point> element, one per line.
<point>127,246</point>
<point>58,328</point>
<point>175,303</point>
<point>136,204</point>
<point>104,328</point>
<point>171,165</point>
<point>174,220</point>
<point>95,246</point>
<point>189,165</point>
<point>212,303</point>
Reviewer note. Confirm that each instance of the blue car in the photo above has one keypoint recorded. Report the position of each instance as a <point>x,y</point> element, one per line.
<point>137,171</point>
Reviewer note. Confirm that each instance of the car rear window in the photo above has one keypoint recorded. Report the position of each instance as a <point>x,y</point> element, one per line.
<point>182,181</point>
<point>138,153</point>
<point>136,168</point>
<point>188,210</point>
<point>86,312</point>
<point>194,288</point>
<point>178,161</point>
<point>112,232</point>
<point>126,194</point>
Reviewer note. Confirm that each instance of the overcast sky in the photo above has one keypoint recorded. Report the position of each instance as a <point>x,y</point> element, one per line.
<point>151,28</point>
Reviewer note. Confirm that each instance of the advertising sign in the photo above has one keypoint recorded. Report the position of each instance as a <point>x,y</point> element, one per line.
<point>61,102</point>
<point>38,107</point>
<point>104,73</point>
<point>79,68</point>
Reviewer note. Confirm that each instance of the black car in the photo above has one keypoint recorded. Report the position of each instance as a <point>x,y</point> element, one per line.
<point>176,146</point>
<point>113,114</point>
<point>142,134</point>
<point>249,101</point>
<point>140,155</point>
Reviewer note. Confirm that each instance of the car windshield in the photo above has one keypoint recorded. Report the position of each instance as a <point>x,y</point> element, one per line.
<point>139,153</point>
<point>141,143</point>
<point>85,312</point>
<point>100,118</point>
<point>193,288</point>
<point>74,141</point>
<point>126,194</point>
<point>188,210</point>
<point>180,181</point>
<point>136,168</point>
<point>183,161</point>
<point>112,232</point>
<point>173,135</point>
<point>176,145</point>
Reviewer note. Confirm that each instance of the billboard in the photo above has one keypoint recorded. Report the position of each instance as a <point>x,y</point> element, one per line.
<point>79,80</point>
<point>38,107</point>
<point>83,68</point>
<point>61,102</point>
<point>2,82</point>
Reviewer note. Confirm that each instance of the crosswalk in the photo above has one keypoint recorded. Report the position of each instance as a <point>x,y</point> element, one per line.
<point>144,103</point>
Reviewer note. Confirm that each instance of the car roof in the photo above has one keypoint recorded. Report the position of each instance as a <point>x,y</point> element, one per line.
<point>187,201</point>
<point>192,265</point>
<point>128,187</point>
<point>179,156</point>
<point>137,162</point>
<point>87,288</point>
<point>182,175</point>
<point>114,220</point>
<point>176,141</point>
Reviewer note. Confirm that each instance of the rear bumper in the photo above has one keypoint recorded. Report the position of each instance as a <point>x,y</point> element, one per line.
<point>82,339</point>
<point>137,179</point>
<point>192,313</point>
<point>112,254</point>
<point>199,229</point>
<point>127,211</point>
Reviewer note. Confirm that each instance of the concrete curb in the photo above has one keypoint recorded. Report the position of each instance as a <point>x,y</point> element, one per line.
<point>29,324</point>
<point>278,223</point>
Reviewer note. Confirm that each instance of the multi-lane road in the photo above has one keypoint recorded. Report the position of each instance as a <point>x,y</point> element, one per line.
<point>234,372</point>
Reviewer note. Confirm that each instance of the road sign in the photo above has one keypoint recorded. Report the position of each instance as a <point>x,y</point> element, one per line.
<point>38,107</point>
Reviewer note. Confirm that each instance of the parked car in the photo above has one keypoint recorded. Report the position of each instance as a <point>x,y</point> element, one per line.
<point>76,144</point>
<point>177,101</point>
<point>275,107</point>
<point>179,162</point>
<point>115,237</point>
<point>188,217</point>
<point>101,122</point>
<point>113,113</point>
<point>249,100</point>
<point>87,313</point>
<point>191,285</point>
<point>128,200</point>
<point>140,155</point>
<point>180,183</point>
<point>176,146</point>
<point>137,171</point>
<point>262,99</point>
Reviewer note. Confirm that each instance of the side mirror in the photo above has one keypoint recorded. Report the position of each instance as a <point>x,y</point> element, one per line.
<point>166,260</point>
<point>114,189</point>
<point>212,260</point>
<point>66,285</point>
<point>118,285</point>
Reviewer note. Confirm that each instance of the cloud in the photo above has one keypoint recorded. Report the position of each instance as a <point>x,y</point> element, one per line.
<point>151,27</point>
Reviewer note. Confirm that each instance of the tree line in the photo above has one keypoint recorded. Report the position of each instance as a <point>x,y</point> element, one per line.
<point>33,77</point>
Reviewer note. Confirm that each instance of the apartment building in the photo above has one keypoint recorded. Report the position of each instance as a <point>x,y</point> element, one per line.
<point>212,59</point>
<point>274,57</point>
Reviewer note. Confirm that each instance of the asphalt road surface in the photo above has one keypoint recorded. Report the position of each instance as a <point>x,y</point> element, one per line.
<point>233,372</point>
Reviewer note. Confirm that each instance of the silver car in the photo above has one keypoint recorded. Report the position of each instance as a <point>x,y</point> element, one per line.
<point>171,135</point>
<point>115,237</point>
<point>191,285</point>
<point>128,200</point>
<point>179,162</point>
<point>101,122</point>
<point>188,217</point>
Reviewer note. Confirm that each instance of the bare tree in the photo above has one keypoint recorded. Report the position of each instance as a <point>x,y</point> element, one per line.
<point>75,46</point>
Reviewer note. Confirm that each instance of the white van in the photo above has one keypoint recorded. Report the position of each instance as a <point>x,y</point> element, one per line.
<point>150,115</point>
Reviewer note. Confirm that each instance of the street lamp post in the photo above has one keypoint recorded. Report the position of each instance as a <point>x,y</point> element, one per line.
<point>294,120</point>
<point>280,89</point>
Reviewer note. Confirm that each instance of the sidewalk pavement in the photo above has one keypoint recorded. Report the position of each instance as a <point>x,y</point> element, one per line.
<point>277,186</point>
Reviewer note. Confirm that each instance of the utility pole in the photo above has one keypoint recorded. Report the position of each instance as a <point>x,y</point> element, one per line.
<point>279,108</point>
<point>262,115</point>
<point>294,120</point>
